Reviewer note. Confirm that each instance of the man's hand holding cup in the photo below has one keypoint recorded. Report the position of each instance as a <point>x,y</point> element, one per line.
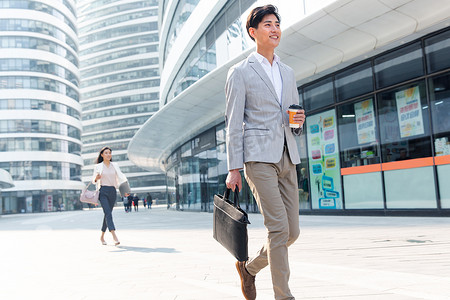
<point>296,116</point>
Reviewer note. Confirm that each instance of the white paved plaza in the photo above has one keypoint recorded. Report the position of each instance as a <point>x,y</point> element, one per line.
<point>172,255</point>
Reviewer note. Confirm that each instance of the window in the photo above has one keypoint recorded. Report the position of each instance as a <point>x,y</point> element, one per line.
<point>319,94</point>
<point>354,82</point>
<point>401,65</point>
<point>437,51</point>
<point>357,134</point>
<point>440,110</point>
<point>404,123</point>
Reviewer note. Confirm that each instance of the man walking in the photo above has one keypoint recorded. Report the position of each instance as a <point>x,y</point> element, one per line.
<point>149,201</point>
<point>259,91</point>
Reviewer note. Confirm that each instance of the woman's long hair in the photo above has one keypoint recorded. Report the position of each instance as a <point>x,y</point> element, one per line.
<point>100,158</point>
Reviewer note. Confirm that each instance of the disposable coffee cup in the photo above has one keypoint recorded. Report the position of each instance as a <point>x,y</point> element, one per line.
<point>293,109</point>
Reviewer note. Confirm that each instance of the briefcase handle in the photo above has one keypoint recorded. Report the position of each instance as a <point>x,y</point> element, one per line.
<point>236,196</point>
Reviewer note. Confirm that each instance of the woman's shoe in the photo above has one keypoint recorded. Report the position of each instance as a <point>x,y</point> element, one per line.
<point>117,243</point>
<point>104,243</point>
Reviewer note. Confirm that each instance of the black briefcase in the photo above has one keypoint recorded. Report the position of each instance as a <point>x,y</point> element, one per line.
<point>230,225</point>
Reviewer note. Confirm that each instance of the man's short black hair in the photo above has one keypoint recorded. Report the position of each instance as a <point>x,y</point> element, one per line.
<point>257,14</point>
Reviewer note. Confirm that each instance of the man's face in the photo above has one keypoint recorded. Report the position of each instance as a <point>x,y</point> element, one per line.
<point>268,33</point>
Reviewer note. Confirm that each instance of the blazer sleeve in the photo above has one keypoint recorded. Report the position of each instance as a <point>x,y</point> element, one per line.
<point>95,174</point>
<point>121,178</point>
<point>234,118</point>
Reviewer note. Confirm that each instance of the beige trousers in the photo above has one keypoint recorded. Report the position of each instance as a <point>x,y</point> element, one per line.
<point>275,188</point>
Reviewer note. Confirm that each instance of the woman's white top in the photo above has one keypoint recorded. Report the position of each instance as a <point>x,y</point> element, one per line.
<point>100,169</point>
<point>108,175</point>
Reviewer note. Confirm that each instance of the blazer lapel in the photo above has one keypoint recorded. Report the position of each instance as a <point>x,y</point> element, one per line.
<point>260,71</point>
<point>284,76</point>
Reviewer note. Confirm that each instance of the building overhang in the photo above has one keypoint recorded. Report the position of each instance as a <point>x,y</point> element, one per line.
<point>5,180</point>
<point>330,39</point>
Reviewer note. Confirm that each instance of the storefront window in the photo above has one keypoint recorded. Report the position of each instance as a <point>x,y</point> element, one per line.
<point>405,135</point>
<point>404,123</point>
<point>300,96</point>
<point>359,147</point>
<point>323,154</point>
<point>304,184</point>
<point>188,188</point>
<point>354,82</point>
<point>40,201</point>
<point>319,94</point>
<point>401,65</point>
<point>357,134</point>
<point>222,168</point>
<point>220,134</point>
<point>440,110</point>
<point>437,51</point>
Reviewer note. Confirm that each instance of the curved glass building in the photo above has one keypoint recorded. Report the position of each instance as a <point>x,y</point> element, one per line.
<point>119,67</point>
<point>373,76</point>
<point>40,113</point>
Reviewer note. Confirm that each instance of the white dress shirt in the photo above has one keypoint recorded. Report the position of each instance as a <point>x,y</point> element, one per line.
<point>273,72</point>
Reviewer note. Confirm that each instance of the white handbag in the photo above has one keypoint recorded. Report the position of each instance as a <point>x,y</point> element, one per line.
<point>89,196</point>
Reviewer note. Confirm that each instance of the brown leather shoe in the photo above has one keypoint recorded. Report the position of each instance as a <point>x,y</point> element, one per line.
<point>247,281</point>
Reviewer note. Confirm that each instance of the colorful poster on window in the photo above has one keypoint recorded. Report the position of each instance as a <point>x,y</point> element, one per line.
<point>409,112</point>
<point>365,121</point>
<point>323,156</point>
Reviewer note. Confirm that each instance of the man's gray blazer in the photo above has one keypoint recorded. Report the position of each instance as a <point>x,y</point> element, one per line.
<point>256,123</point>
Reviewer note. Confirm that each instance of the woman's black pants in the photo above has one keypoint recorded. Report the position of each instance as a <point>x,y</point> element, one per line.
<point>107,199</point>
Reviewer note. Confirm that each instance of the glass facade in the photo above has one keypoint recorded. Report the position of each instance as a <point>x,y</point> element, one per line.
<point>41,201</point>
<point>197,170</point>
<point>38,104</point>
<point>119,67</point>
<point>392,142</point>
<point>24,42</point>
<point>376,138</point>
<point>182,12</point>
<point>194,174</point>
<point>20,25</point>
<point>225,38</point>
<point>40,126</point>
<point>91,10</point>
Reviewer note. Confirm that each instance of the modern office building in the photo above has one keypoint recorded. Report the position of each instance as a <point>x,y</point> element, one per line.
<point>119,69</point>
<point>373,76</point>
<point>40,114</point>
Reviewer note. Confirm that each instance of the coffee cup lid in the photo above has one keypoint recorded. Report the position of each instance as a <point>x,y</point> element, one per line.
<point>295,106</point>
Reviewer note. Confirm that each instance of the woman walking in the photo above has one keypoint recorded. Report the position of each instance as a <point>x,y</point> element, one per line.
<point>136,202</point>
<point>108,177</point>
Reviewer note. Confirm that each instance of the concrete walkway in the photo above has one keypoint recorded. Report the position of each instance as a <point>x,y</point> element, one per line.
<point>172,255</point>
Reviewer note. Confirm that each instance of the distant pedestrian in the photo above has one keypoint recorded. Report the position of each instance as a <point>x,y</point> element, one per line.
<point>125,203</point>
<point>136,202</point>
<point>189,196</point>
<point>108,177</point>
<point>149,201</point>
<point>130,202</point>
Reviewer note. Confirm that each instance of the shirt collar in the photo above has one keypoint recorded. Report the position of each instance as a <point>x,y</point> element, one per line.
<point>262,60</point>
